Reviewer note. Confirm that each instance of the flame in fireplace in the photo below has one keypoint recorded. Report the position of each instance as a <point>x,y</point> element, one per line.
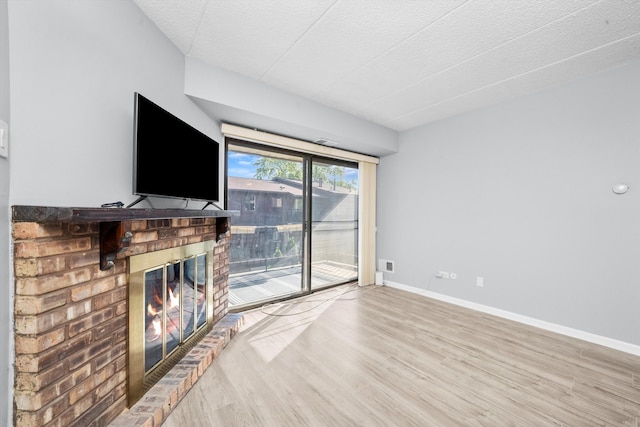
<point>156,324</point>
<point>152,311</point>
<point>174,299</point>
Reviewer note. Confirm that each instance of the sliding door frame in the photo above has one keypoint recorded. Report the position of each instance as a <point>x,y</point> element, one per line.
<point>308,162</point>
<point>366,182</point>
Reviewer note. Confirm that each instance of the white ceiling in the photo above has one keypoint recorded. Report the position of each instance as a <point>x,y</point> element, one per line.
<point>403,63</point>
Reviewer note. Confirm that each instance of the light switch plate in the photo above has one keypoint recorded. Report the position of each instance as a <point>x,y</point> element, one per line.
<point>4,139</point>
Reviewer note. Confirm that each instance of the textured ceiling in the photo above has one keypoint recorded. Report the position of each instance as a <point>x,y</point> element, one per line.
<point>403,63</point>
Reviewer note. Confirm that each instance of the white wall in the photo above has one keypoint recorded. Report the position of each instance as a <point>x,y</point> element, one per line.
<point>74,68</point>
<point>5,275</point>
<point>520,194</point>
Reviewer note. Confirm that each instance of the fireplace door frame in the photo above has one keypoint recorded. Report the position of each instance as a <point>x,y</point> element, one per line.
<point>139,380</point>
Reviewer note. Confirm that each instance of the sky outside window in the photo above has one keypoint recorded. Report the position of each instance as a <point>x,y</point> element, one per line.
<point>242,165</point>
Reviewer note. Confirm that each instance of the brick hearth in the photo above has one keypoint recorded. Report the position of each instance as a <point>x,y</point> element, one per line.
<point>71,319</point>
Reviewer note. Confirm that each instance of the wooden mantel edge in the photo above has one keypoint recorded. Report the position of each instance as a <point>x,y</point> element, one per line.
<point>43,214</point>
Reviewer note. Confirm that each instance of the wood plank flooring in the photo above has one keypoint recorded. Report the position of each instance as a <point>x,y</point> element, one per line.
<point>379,356</point>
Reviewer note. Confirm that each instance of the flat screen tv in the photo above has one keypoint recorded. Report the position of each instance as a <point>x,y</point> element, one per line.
<point>171,158</point>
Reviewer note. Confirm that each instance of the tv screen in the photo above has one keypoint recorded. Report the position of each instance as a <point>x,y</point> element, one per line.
<point>172,158</point>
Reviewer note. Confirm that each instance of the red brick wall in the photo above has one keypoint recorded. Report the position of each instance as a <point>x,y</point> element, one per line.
<point>71,317</point>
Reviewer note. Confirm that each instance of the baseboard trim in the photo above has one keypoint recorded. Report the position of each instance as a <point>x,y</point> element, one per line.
<point>552,327</point>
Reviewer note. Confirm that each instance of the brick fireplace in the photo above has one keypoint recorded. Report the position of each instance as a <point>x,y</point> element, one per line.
<point>71,311</point>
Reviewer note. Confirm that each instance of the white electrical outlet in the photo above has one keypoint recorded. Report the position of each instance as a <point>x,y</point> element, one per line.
<point>442,275</point>
<point>480,282</point>
<point>4,139</point>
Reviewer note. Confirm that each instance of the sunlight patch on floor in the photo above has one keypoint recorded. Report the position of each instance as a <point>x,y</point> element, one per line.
<point>271,328</point>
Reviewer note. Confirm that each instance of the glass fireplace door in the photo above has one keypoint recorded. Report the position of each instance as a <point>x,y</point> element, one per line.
<point>175,306</point>
<point>171,308</point>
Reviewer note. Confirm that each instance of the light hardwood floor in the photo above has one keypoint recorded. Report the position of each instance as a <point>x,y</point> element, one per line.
<point>378,356</point>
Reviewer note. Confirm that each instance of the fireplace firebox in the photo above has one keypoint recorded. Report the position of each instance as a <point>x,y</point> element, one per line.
<point>171,308</point>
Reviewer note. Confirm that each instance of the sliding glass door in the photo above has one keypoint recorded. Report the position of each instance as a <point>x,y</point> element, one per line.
<point>334,223</point>
<point>298,223</point>
<point>266,251</point>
